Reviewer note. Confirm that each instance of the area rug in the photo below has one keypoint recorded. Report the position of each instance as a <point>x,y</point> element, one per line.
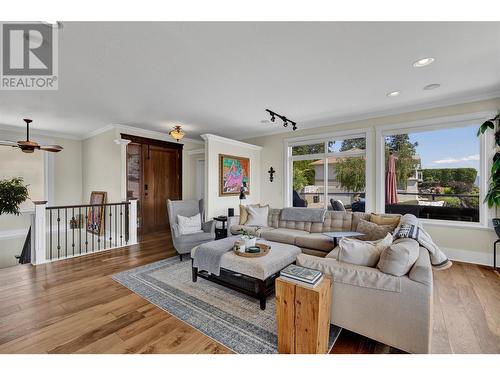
<point>228,317</point>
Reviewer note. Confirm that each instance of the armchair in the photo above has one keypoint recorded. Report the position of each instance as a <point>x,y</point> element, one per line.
<point>183,243</point>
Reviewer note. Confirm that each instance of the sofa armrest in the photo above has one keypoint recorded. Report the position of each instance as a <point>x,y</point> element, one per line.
<point>346,273</point>
<point>209,226</point>
<point>421,271</point>
<point>232,220</point>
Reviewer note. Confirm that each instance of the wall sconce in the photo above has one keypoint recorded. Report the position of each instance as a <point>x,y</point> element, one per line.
<point>271,172</point>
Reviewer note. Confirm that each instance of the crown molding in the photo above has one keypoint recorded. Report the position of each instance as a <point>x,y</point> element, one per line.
<point>212,137</point>
<point>93,133</point>
<point>390,112</point>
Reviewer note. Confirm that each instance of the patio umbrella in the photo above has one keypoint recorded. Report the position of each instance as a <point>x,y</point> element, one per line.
<point>391,194</point>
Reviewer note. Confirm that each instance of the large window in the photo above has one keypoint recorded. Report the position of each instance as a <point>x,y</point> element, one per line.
<point>433,174</point>
<point>329,173</point>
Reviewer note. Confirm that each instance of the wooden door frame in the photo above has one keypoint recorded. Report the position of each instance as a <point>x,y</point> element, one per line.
<point>159,143</point>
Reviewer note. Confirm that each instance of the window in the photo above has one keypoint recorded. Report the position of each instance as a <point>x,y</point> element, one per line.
<point>329,174</point>
<point>433,174</point>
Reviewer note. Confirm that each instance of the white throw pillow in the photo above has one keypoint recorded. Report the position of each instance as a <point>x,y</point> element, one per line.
<point>189,225</point>
<point>400,257</point>
<point>362,253</point>
<point>257,216</point>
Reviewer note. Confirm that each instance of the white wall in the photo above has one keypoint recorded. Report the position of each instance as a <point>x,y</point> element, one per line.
<point>214,146</point>
<point>474,245</point>
<point>101,163</point>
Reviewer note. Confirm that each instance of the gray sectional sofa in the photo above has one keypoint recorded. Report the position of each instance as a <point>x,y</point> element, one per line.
<point>304,234</point>
<point>394,310</point>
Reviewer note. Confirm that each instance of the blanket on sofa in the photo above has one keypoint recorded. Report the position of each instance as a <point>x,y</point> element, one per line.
<point>208,255</point>
<point>314,215</point>
<point>410,227</point>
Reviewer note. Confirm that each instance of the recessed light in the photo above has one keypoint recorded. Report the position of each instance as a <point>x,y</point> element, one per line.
<point>432,86</point>
<point>423,62</point>
<point>393,94</point>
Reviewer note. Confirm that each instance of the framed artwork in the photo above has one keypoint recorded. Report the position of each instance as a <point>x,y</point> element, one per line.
<point>95,215</point>
<point>234,171</point>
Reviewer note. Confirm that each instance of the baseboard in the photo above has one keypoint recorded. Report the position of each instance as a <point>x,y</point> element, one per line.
<point>467,256</point>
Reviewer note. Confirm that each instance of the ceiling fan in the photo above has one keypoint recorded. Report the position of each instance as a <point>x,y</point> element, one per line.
<point>30,146</point>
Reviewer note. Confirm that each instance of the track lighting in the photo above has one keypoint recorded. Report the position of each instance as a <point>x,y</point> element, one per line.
<point>285,120</point>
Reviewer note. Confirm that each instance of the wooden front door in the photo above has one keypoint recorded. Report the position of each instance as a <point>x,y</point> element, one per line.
<point>160,180</point>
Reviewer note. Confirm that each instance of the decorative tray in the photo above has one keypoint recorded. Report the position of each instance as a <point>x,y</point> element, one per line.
<point>264,249</point>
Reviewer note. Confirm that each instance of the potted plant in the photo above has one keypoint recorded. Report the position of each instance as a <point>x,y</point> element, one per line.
<point>249,238</point>
<point>493,194</point>
<point>13,192</point>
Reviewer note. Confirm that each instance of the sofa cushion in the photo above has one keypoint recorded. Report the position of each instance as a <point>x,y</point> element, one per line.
<point>385,219</point>
<point>315,241</point>
<point>400,257</point>
<point>257,216</point>
<point>283,235</point>
<point>335,221</point>
<point>362,253</point>
<point>351,274</point>
<point>373,231</point>
<point>334,254</point>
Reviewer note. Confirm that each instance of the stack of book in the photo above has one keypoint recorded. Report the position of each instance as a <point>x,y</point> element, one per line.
<point>302,275</point>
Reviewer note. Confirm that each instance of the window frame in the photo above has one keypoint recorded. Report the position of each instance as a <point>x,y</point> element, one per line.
<point>366,133</point>
<point>486,152</point>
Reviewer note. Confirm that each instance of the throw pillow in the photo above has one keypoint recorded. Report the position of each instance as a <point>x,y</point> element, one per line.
<point>372,231</point>
<point>399,258</point>
<point>257,216</point>
<point>385,220</point>
<point>362,253</point>
<point>408,231</point>
<point>189,225</point>
<point>244,212</point>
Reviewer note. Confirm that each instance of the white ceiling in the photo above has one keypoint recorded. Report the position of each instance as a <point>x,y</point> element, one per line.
<point>219,77</point>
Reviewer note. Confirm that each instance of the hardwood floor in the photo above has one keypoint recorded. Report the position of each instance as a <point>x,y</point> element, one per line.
<point>73,306</point>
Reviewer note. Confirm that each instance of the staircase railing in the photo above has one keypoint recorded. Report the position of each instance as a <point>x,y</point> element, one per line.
<point>62,232</point>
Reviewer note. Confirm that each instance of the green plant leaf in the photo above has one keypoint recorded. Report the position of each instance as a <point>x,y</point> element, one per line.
<point>487,124</point>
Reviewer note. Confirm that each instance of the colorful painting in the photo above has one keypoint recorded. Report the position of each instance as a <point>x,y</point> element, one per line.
<point>95,214</point>
<point>234,171</point>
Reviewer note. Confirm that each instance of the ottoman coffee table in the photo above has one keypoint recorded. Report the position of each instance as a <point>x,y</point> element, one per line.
<point>252,276</point>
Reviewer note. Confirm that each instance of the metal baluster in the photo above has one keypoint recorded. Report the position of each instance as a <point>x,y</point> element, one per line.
<point>93,228</point>
<point>127,218</point>
<point>58,233</point>
<point>66,232</point>
<point>80,228</point>
<point>121,225</point>
<point>73,220</point>
<point>50,233</point>
<point>104,225</point>
<point>110,226</point>
<point>99,210</point>
<point>116,227</point>
<point>86,231</point>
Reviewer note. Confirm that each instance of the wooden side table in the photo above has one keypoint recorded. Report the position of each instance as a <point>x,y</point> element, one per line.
<point>303,317</point>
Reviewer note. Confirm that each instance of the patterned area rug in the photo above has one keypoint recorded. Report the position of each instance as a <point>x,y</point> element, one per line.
<point>228,317</point>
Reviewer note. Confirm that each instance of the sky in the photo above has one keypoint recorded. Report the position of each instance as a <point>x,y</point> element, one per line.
<point>448,148</point>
